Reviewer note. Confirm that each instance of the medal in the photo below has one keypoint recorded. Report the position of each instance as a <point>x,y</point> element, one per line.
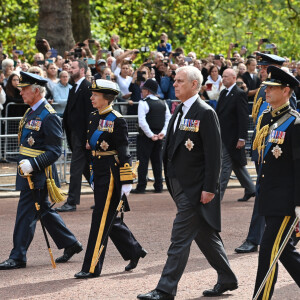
<point>276,151</point>
<point>189,144</point>
<point>30,141</point>
<point>104,145</point>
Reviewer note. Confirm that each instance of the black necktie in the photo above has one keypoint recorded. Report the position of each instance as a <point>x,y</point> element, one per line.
<point>179,113</point>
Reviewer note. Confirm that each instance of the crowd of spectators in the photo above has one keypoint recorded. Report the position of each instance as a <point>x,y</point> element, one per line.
<point>120,65</point>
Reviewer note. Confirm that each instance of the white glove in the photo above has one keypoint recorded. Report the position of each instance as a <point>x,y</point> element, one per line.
<point>297,212</point>
<point>25,166</point>
<point>126,188</point>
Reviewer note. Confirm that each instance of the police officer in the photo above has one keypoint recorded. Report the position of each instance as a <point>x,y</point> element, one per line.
<point>257,224</point>
<point>277,142</point>
<point>153,118</point>
<point>111,177</point>
<point>40,135</point>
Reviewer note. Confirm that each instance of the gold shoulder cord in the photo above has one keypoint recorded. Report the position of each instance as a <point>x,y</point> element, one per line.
<point>21,125</point>
<point>259,141</point>
<point>256,106</point>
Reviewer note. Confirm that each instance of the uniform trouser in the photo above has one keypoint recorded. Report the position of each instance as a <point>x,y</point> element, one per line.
<point>25,225</point>
<point>257,224</point>
<point>188,226</point>
<point>275,231</point>
<point>121,236</point>
<point>148,149</point>
<point>228,165</point>
<point>79,165</point>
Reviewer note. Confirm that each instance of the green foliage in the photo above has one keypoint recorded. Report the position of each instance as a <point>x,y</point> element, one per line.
<point>18,25</point>
<point>202,26</point>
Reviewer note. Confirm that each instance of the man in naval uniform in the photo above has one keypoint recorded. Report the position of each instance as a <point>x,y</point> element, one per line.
<point>278,193</point>
<point>40,135</point>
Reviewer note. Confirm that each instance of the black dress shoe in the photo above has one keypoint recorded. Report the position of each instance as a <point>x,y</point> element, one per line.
<point>219,289</point>
<point>84,275</point>
<point>155,295</point>
<point>133,262</point>
<point>246,197</point>
<point>66,208</point>
<point>12,264</point>
<point>136,191</point>
<point>69,252</point>
<point>246,247</point>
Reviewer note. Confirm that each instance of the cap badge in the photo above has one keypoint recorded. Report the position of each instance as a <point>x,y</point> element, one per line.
<point>189,144</point>
<point>277,151</point>
<point>104,145</point>
<point>94,85</point>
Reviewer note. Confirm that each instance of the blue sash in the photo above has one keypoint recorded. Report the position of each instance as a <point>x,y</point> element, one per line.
<point>93,142</point>
<point>25,131</point>
<point>263,107</point>
<point>282,127</point>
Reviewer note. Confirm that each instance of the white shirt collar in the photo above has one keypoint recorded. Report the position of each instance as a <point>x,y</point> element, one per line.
<point>188,103</point>
<point>78,83</point>
<point>230,88</point>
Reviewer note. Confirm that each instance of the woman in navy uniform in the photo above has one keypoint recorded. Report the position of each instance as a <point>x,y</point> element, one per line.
<point>40,135</point>
<point>111,177</point>
<point>278,144</point>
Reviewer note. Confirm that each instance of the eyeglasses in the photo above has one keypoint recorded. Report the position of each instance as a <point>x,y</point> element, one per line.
<point>35,72</point>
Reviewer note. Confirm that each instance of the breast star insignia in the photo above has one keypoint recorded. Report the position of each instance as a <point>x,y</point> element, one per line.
<point>104,145</point>
<point>277,151</point>
<point>189,144</point>
<point>30,141</point>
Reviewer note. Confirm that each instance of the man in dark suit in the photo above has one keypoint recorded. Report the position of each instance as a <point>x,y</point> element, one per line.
<point>192,159</point>
<point>75,118</point>
<point>40,135</point>
<point>233,116</point>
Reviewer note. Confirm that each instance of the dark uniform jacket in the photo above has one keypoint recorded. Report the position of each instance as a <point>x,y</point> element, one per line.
<point>232,111</point>
<point>43,132</point>
<point>278,179</point>
<point>113,139</point>
<point>77,112</point>
<point>198,169</point>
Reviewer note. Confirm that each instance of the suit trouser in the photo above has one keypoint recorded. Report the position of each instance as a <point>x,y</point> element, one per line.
<point>189,225</point>
<point>25,225</point>
<point>228,165</point>
<point>148,149</point>
<point>79,165</point>
<point>275,231</point>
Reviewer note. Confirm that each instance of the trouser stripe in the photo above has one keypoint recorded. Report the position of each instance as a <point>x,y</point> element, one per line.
<point>102,224</point>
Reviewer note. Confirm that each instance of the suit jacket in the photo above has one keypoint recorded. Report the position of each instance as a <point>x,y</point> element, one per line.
<point>77,112</point>
<point>252,84</point>
<point>233,116</point>
<point>198,169</point>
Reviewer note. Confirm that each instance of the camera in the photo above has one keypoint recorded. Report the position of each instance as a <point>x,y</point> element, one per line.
<point>145,49</point>
<point>173,72</point>
<point>91,41</point>
<point>233,58</point>
<point>162,41</point>
<point>107,77</point>
<point>239,83</point>
<point>188,59</point>
<point>40,62</point>
<point>235,45</point>
<point>81,44</point>
<point>71,53</point>
<point>140,76</point>
<point>77,52</point>
<point>269,46</point>
<point>136,52</point>
<point>176,54</point>
<point>103,51</point>
<point>14,47</point>
<point>20,52</point>
<point>265,40</point>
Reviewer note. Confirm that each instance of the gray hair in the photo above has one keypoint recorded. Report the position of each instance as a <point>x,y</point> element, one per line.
<point>192,74</point>
<point>41,89</point>
<point>6,62</point>
<point>117,53</point>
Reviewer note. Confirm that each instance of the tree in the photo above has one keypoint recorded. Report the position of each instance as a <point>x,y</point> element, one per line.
<point>55,24</point>
<point>81,22</point>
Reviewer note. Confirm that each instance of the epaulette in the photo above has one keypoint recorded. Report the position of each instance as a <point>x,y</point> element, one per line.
<point>116,113</point>
<point>50,108</point>
<point>296,115</point>
<point>267,110</point>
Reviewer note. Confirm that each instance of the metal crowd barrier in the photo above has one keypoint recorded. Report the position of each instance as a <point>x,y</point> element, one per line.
<point>9,147</point>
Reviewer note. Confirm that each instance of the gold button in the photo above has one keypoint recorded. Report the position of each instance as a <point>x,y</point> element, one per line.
<point>88,131</point>
<point>271,120</point>
<point>115,164</point>
<point>99,157</point>
<point>90,122</point>
<point>262,175</point>
<point>264,161</point>
<point>97,142</point>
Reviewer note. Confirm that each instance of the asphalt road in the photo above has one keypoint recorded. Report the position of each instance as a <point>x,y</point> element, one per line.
<point>150,220</point>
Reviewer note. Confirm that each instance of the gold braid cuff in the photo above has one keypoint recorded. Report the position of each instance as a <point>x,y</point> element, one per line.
<point>126,172</point>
